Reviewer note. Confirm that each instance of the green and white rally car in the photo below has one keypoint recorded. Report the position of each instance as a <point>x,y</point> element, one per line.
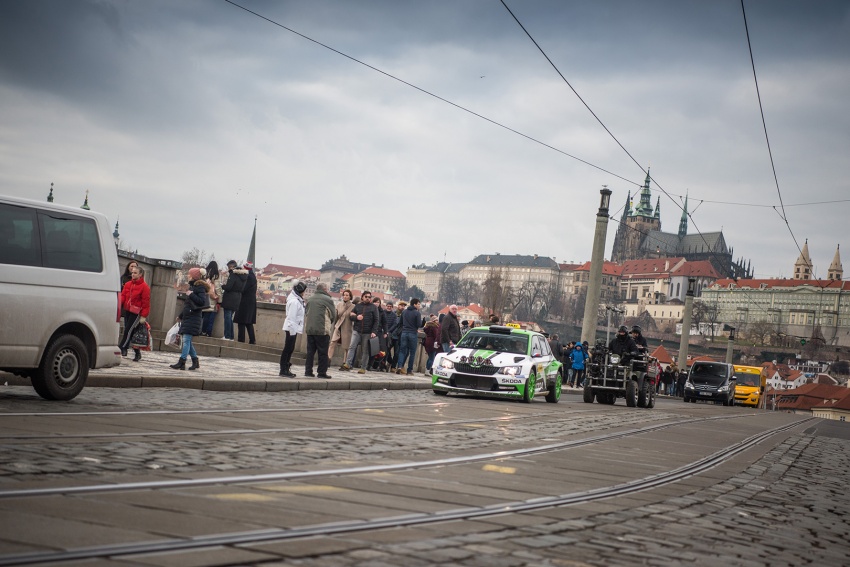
<point>499,362</point>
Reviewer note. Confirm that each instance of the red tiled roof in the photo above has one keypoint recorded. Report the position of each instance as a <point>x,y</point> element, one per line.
<point>840,400</point>
<point>290,271</point>
<point>662,355</point>
<point>654,267</point>
<point>382,272</point>
<point>808,396</point>
<point>569,267</point>
<point>698,268</point>
<point>608,268</point>
<point>756,284</point>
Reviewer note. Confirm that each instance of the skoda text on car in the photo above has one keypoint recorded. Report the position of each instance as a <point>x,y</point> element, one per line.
<point>499,362</point>
<point>711,382</point>
<point>59,285</point>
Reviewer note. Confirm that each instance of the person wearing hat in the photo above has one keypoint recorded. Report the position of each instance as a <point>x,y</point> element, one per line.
<point>191,318</point>
<point>246,315</point>
<point>623,344</point>
<point>578,361</point>
<point>292,326</point>
<point>232,295</point>
<point>638,338</point>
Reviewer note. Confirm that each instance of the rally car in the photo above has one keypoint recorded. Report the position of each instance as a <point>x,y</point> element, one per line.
<point>499,362</point>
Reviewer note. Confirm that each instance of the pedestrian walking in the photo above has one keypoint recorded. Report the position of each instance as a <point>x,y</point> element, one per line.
<point>136,306</point>
<point>246,315</point>
<point>391,319</point>
<point>232,295</point>
<point>292,326</point>
<point>191,318</point>
<point>319,321</point>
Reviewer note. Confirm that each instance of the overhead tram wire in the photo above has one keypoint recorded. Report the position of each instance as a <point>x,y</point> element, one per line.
<point>438,97</point>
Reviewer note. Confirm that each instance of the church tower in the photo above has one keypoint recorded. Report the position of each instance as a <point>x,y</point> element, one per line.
<point>683,222</point>
<point>803,265</point>
<point>836,272</point>
<point>640,222</point>
<point>618,251</point>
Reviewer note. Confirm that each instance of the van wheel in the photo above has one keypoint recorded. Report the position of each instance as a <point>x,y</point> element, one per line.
<point>63,370</point>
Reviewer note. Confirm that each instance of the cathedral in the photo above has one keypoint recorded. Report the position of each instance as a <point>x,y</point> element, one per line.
<point>639,236</point>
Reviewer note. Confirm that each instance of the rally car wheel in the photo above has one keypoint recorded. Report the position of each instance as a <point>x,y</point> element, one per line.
<point>554,393</point>
<point>631,393</point>
<point>588,395</point>
<point>530,384</point>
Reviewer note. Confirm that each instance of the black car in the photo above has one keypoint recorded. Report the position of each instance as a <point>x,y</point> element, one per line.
<point>712,382</point>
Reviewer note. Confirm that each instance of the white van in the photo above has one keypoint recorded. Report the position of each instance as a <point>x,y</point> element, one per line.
<point>59,295</point>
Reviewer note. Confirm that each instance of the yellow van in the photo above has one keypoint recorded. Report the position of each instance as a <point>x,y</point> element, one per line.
<point>59,286</point>
<point>749,385</point>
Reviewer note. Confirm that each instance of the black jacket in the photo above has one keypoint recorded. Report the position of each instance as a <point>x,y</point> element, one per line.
<point>193,307</point>
<point>450,329</point>
<point>622,345</point>
<point>371,322</point>
<point>232,289</point>
<point>247,312</point>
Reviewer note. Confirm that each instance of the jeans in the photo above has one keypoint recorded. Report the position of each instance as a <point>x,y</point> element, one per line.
<point>188,348</point>
<point>578,374</point>
<point>409,342</point>
<point>209,321</point>
<point>446,347</point>
<point>318,344</point>
<point>228,324</point>
<point>361,340</point>
<point>430,364</point>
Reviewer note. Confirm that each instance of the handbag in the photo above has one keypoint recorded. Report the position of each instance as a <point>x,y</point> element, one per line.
<point>374,346</point>
<point>134,309</point>
<point>141,337</point>
<point>172,337</point>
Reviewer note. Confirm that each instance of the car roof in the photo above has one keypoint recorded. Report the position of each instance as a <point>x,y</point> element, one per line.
<point>502,330</point>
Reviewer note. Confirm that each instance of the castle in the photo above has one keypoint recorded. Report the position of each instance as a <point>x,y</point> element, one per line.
<point>639,236</point>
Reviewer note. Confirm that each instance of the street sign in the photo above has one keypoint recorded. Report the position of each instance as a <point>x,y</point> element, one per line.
<point>803,342</point>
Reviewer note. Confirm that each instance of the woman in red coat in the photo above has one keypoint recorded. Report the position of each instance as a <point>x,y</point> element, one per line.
<point>136,305</point>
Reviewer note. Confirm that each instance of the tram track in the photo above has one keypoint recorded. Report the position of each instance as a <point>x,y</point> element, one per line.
<point>300,475</point>
<point>247,538</point>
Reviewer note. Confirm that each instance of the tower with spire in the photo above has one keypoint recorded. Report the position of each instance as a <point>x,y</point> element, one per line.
<point>617,251</point>
<point>835,272</point>
<point>803,265</point>
<point>636,225</point>
<point>683,222</point>
<point>252,248</point>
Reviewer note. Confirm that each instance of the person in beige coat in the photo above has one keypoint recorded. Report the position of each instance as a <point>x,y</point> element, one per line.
<point>343,325</point>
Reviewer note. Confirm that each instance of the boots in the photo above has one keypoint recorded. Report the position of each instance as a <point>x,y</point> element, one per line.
<point>138,356</point>
<point>181,365</point>
<point>195,364</point>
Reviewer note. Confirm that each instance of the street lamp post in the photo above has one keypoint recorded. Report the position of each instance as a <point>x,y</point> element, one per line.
<point>594,285</point>
<point>730,346</point>
<point>686,325</point>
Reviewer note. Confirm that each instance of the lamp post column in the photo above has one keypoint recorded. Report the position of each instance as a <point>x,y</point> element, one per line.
<point>730,346</point>
<point>686,326</point>
<point>594,285</point>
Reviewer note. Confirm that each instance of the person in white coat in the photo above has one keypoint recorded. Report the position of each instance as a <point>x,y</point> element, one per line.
<point>292,326</point>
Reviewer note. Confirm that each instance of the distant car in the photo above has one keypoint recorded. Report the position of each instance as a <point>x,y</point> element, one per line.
<point>499,362</point>
<point>711,382</point>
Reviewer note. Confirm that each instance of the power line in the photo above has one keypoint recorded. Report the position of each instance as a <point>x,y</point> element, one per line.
<point>429,93</point>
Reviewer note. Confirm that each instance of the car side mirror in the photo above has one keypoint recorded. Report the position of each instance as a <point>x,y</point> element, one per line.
<point>536,355</point>
<point>735,378</point>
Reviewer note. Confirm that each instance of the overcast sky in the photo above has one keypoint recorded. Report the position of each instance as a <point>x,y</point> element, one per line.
<point>188,119</point>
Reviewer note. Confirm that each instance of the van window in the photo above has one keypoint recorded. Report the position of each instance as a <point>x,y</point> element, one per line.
<point>19,236</point>
<point>70,243</point>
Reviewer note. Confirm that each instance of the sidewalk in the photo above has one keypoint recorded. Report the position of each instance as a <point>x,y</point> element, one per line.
<point>232,374</point>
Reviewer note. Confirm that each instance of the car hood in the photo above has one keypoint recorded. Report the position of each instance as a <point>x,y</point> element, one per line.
<point>479,357</point>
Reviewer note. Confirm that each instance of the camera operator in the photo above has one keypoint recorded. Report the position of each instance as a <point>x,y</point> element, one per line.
<point>623,345</point>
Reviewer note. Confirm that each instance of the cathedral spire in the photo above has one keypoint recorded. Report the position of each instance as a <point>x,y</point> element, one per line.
<point>836,272</point>
<point>803,265</point>
<point>252,248</point>
<point>627,210</point>
<point>644,208</point>
<point>658,208</point>
<point>683,222</point>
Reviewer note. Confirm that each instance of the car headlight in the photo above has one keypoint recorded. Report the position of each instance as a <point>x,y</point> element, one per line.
<point>615,359</point>
<point>446,363</point>
<point>510,370</point>
<point>724,388</point>
<point>689,385</point>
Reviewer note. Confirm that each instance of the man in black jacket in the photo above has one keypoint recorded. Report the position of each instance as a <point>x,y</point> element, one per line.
<point>623,345</point>
<point>411,321</point>
<point>232,295</point>
<point>366,323</point>
<point>450,329</point>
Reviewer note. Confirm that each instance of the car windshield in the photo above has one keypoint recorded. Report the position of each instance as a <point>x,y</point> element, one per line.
<point>516,344</point>
<point>713,374</point>
<point>747,379</point>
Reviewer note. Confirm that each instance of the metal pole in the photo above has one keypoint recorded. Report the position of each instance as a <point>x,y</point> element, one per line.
<point>686,326</point>
<point>594,285</point>
<point>730,346</point>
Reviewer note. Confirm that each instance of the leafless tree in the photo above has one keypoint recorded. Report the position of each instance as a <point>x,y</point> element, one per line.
<point>450,290</point>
